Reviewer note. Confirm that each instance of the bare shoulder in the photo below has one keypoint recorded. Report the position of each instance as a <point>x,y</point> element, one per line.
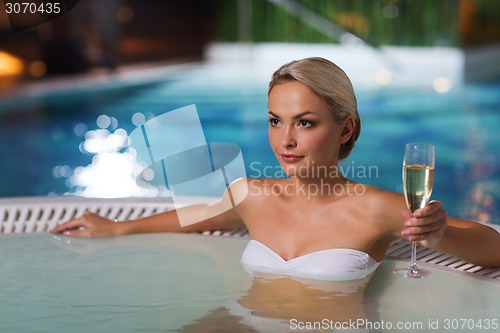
<point>384,207</point>
<point>381,198</point>
<point>250,191</point>
<point>254,197</point>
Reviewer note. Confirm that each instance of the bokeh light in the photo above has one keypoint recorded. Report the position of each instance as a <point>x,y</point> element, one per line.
<point>113,170</point>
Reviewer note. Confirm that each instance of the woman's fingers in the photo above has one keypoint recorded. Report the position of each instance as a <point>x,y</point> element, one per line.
<point>431,208</point>
<point>73,224</point>
<point>427,224</point>
<point>76,233</point>
<point>422,230</point>
<point>87,225</point>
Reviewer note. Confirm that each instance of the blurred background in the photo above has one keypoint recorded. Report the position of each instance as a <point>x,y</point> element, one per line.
<point>73,88</point>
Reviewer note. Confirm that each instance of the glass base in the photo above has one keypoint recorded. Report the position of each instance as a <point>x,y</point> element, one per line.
<point>412,272</point>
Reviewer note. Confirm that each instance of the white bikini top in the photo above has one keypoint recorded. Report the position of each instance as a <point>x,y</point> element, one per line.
<point>337,264</point>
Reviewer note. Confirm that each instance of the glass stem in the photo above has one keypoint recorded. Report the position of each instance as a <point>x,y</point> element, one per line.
<point>413,262</point>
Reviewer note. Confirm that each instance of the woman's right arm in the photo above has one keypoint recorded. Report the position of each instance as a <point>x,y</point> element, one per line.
<point>220,215</point>
<point>93,225</point>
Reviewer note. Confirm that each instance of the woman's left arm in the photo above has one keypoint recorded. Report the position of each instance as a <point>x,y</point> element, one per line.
<point>467,240</point>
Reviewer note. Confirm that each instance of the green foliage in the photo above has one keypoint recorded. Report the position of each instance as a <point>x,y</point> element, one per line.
<point>380,22</point>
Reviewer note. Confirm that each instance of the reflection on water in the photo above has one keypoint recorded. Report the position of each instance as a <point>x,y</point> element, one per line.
<point>114,168</point>
<point>284,304</point>
<point>287,298</point>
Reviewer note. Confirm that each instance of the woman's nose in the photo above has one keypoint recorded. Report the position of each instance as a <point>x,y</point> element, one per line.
<point>288,140</point>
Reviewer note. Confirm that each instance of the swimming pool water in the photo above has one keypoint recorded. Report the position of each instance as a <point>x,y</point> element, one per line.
<point>194,283</point>
<point>41,136</point>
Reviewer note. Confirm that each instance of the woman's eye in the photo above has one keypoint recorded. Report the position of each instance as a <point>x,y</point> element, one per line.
<point>274,121</point>
<point>305,123</point>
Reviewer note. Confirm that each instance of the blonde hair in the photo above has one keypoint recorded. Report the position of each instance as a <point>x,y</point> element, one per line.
<point>331,84</point>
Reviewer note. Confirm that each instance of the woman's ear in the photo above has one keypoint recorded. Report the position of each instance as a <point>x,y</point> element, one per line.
<point>347,130</point>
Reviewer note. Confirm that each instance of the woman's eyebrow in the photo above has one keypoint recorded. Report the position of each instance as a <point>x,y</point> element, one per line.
<point>296,116</point>
<point>305,113</point>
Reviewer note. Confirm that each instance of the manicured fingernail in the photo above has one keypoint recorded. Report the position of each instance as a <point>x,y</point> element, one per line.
<point>66,233</point>
<point>405,232</point>
<point>407,223</point>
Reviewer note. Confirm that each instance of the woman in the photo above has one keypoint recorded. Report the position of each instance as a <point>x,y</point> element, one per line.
<point>316,224</point>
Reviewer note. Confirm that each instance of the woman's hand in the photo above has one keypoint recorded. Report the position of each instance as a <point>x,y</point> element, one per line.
<point>88,225</point>
<point>427,225</point>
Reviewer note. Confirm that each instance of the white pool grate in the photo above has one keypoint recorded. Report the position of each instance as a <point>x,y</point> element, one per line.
<point>18,215</point>
<point>40,214</point>
<point>401,249</point>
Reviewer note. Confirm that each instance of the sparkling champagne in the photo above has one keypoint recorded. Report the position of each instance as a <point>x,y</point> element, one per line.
<point>418,176</point>
<point>417,183</point>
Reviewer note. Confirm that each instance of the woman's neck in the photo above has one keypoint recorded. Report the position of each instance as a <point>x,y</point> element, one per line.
<point>319,188</point>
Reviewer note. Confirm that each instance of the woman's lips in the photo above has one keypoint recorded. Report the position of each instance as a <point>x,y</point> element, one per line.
<point>290,158</point>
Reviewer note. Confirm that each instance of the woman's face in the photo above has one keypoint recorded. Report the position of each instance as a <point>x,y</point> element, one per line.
<point>302,131</point>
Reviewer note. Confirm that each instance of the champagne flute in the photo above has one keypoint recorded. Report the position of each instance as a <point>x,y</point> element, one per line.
<point>418,176</point>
